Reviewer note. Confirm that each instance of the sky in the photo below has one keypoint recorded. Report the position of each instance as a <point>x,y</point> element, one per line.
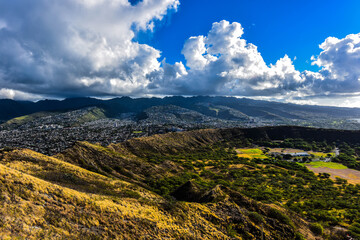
<point>305,52</point>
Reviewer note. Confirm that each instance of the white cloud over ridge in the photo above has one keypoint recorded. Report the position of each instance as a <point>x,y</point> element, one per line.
<point>87,48</point>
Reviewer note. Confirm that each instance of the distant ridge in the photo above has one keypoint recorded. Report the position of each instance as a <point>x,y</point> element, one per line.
<point>229,107</point>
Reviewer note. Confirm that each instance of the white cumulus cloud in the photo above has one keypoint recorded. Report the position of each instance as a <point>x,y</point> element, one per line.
<point>87,48</point>
<point>223,63</point>
<point>339,61</point>
<point>77,47</point>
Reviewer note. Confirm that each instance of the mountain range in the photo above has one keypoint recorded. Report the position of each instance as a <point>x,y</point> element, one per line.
<point>240,110</point>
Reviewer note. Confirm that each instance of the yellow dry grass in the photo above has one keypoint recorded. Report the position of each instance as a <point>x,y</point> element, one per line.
<point>35,208</point>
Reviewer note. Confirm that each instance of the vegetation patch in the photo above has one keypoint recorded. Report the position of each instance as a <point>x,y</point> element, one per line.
<point>27,118</point>
<point>251,153</point>
<point>331,165</point>
<point>136,132</point>
<point>317,229</point>
<point>322,155</point>
<point>214,109</point>
<point>92,115</point>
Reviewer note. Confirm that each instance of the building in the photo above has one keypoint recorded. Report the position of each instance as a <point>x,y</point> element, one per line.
<point>300,154</point>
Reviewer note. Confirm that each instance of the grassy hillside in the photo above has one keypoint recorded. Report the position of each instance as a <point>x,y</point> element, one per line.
<point>35,209</point>
<point>15,122</point>
<point>43,197</point>
<point>92,115</point>
<point>207,158</point>
<point>190,185</point>
<point>70,118</point>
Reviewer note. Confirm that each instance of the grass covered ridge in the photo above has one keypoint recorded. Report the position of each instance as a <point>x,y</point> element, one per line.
<point>27,118</point>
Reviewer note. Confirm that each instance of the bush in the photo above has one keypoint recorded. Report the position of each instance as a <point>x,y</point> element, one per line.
<point>317,229</point>
<point>256,217</point>
<point>299,236</point>
<point>355,230</point>
<point>130,194</point>
<point>277,214</point>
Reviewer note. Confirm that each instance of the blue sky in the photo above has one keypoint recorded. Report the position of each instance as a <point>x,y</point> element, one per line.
<point>305,52</point>
<point>276,27</point>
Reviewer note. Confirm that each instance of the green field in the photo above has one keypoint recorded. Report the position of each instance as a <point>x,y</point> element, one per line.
<point>322,155</point>
<point>251,153</point>
<point>137,132</point>
<point>331,165</point>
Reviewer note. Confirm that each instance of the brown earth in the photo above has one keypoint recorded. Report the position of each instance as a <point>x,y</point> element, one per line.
<point>352,176</point>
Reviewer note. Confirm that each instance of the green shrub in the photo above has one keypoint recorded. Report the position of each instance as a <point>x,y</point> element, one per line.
<point>355,230</point>
<point>316,228</point>
<point>256,217</point>
<point>277,214</point>
<point>299,236</point>
<point>130,194</point>
<point>230,230</point>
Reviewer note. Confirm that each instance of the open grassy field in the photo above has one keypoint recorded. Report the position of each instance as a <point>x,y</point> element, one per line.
<point>250,153</point>
<point>321,154</point>
<point>331,165</point>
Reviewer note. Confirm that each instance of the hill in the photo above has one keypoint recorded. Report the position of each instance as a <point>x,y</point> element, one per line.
<point>188,185</point>
<point>42,197</point>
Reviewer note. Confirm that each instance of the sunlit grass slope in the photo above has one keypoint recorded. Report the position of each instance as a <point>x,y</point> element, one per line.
<point>35,209</point>
<point>45,198</point>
